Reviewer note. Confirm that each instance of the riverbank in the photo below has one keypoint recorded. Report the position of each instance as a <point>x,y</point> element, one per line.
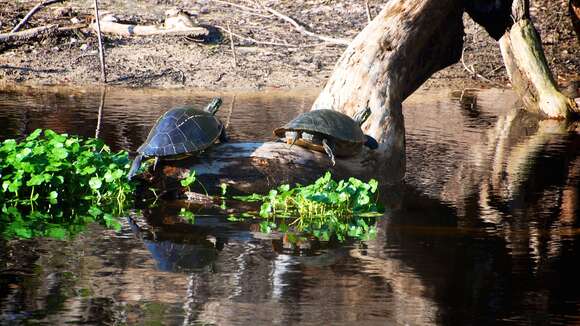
<point>296,61</point>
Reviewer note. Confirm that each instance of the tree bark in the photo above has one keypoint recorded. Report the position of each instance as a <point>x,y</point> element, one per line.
<point>256,167</point>
<point>528,70</point>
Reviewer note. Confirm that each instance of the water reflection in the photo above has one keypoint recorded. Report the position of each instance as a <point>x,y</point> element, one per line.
<point>484,231</point>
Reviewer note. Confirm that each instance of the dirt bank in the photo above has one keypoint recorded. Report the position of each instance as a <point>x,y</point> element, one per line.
<point>71,57</point>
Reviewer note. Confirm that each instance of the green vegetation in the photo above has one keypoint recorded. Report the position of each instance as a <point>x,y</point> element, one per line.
<point>54,184</point>
<point>323,209</point>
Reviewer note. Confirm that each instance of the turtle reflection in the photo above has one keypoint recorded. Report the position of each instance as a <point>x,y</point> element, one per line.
<point>179,247</point>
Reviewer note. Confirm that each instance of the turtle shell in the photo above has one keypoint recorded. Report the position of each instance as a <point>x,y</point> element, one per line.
<point>338,126</point>
<point>181,130</point>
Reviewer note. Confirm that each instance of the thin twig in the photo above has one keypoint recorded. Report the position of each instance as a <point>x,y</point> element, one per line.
<point>232,45</point>
<point>303,30</point>
<point>244,9</point>
<point>256,41</point>
<point>100,114</point>
<point>368,10</point>
<point>101,46</point>
<point>227,3</point>
<point>229,118</point>
<point>473,72</point>
<point>288,45</point>
<point>32,12</point>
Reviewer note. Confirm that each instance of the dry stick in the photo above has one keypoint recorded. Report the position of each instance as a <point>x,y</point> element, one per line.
<point>288,45</point>
<point>472,70</point>
<point>244,9</point>
<point>28,34</point>
<point>32,12</point>
<point>232,45</point>
<point>100,114</point>
<point>229,118</point>
<point>101,47</point>
<point>368,10</point>
<point>303,30</point>
<point>254,40</point>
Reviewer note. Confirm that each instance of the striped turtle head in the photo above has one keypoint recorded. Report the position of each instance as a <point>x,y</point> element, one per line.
<point>214,105</point>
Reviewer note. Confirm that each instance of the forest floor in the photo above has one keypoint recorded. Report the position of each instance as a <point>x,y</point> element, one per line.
<point>298,61</point>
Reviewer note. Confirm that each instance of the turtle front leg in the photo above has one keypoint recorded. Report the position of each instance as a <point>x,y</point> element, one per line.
<point>155,163</point>
<point>135,166</point>
<point>223,137</point>
<point>292,137</point>
<point>329,149</point>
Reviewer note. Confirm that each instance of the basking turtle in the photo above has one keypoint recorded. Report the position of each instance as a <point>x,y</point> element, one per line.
<point>181,132</point>
<point>328,131</point>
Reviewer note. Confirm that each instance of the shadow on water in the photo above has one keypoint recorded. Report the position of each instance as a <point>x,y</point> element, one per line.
<point>484,230</point>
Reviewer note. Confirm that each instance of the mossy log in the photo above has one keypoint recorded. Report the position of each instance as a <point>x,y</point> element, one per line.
<point>528,69</point>
<point>529,73</point>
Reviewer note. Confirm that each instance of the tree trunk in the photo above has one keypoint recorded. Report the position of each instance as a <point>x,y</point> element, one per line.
<point>528,70</point>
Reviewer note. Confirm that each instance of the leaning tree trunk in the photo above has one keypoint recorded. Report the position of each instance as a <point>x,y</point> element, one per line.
<point>528,70</point>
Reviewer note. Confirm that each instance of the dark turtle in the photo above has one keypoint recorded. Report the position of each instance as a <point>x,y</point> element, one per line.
<point>181,132</point>
<point>328,131</point>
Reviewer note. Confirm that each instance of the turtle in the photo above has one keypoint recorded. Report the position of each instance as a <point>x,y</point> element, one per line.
<point>181,132</point>
<point>328,131</point>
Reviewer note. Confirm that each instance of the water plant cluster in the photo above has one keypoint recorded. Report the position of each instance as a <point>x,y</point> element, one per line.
<point>323,209</point>
<point>54,184</point>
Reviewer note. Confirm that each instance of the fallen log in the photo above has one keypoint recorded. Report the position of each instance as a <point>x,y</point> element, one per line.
<point>148,30</point>
<point>258,167</point>
<point>176,24</point>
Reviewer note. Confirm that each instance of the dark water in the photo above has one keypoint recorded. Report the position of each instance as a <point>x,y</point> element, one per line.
<point>485,230</point>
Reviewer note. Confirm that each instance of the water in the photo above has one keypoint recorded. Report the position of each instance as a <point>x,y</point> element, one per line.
<point>486,230</point>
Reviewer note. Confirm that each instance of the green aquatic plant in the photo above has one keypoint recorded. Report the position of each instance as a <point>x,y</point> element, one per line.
<point>54,184</point>
<point>324,209</point>
<point>188,180</point>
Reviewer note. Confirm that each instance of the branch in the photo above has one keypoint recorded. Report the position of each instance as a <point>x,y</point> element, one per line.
<point>473,72</point>
<point>244,9</point>
<point>101,46</point>
<point>147,30</point>
<point>32,12</point>
<point>235,63</point>
<point>368,11</point>
<point>303,30</point>
<point>241,37</point>
<point>28,34</point>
